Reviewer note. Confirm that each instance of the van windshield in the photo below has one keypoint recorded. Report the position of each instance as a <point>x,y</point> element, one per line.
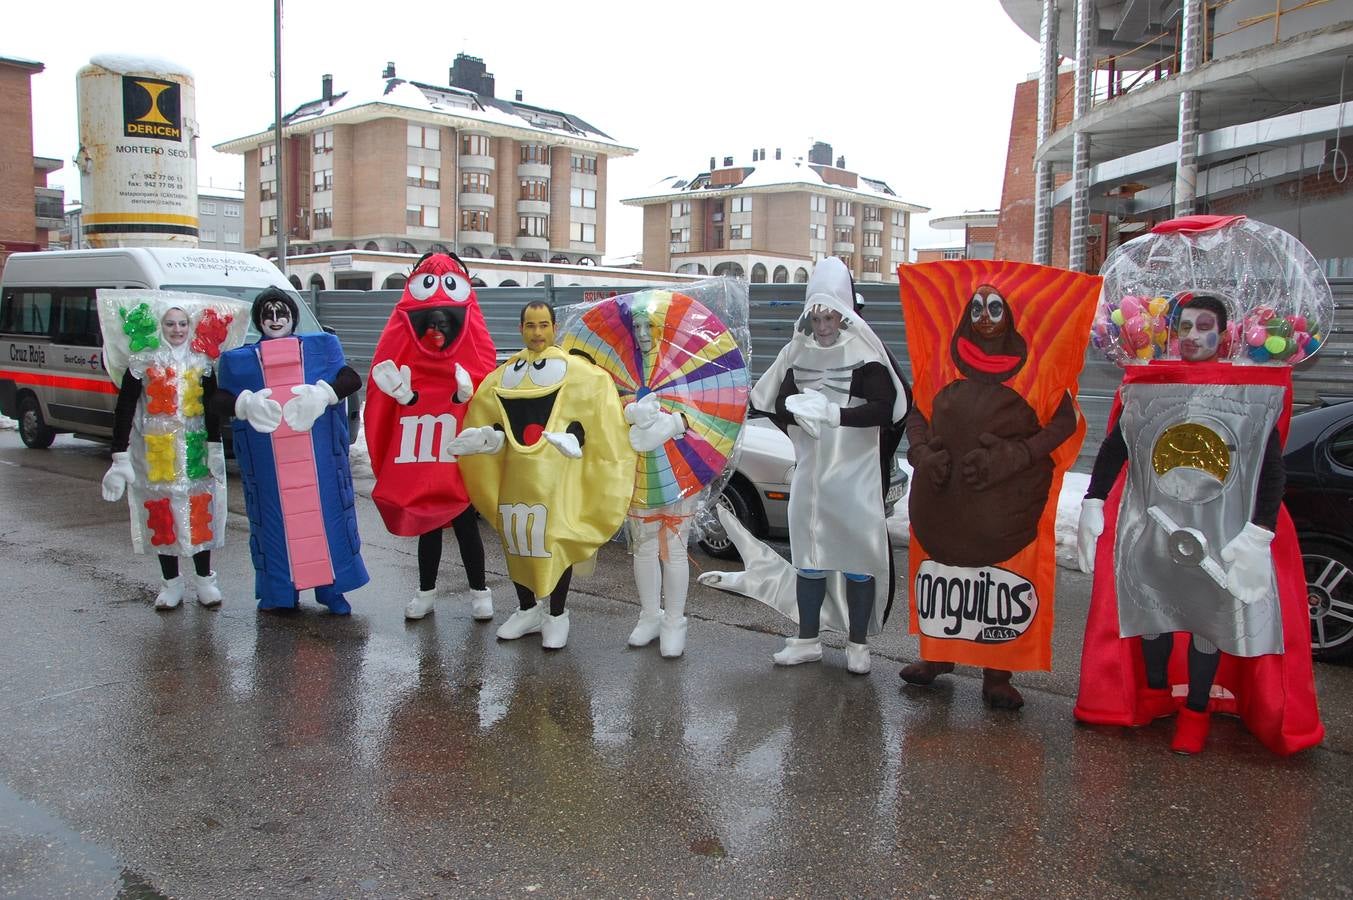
<point>308,324</point>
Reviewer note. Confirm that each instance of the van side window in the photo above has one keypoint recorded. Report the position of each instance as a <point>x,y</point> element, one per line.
<point>77,318</point>
<point>27,311</point>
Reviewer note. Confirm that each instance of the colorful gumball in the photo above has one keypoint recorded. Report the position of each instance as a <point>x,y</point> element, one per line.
<point>1255,335</point>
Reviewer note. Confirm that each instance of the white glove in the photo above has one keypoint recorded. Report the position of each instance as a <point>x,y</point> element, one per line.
<point>1087,533</point>
<point>666,427</point>
<point>564,442</point>
<point>308,404</point>
<point>118,476</point>
<point>464,386</point>
<point>1250,578</point>
<point>259,410</point>
<point>484,439</point>
<point>813,406</point>
<point>216,460</point>
<point>394,381</point>
<point>643,412</point>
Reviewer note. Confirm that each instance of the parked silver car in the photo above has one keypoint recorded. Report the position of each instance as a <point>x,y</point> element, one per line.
<point>758,492</point>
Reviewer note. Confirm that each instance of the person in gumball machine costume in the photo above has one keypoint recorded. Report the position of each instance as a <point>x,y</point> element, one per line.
<point>1199,600</point>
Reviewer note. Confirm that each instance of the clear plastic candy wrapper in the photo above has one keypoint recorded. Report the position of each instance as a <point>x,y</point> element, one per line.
<point>1278,301</point>
<point>689,345</point>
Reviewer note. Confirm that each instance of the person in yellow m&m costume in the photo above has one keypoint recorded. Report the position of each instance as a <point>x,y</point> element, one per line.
<point>546,458</point>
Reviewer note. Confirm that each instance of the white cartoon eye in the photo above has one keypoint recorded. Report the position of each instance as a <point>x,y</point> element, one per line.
<point>547,372</point>
<point>995,308</point>
<point>514,373</point>
<point>456,288</point>
<point>975,307</point>
<point>423,286</point>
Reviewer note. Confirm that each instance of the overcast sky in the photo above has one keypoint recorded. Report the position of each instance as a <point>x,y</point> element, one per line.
<point>916,93</point>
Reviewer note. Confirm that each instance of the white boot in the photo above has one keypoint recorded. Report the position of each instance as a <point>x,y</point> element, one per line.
<point>420,605</point>
<point>171,593</point>
<point>799,650</point>
<point>554,633</point>
<point>481,604</point>
<point>522,622</point>
<point>649,624</point>
<point>208,594</point>
<point>857,658</point>
<point>672,637</point>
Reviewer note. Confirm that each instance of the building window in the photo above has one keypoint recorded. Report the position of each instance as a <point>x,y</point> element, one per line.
<point>583,198</point>
<point>208,235</point>
<point>952,253</point>
<point>267,154</point>
<point>324,141</point>
<point>843,208</point>
<point>817,204</point>
<point>535,189</point>
<point>428,137</point>
<point>424,176</point>
<point>207,208</point>
<point>872,214</point>
<point>873,239</point>
<point>474,220</point>
<point>800,275</point>
<point>742,204</point>
<point>817,232</point>
<point>716,210</point>
<point>844,236</point>
<point>583,163</point>
<point>324,218</point>
<point>716,238</point>
<point>758,274</point>
<point>583,232</point>
<point>267,190</point>
<point>533,226</point>
<point>232,237</point>
<point>422,216</point>
<point>899,244</point>
<point>681,208</point>
<point>681,235</point>
<point>267,226</point>
<point>474,183</point>
<point>900,218</point>
<point>740,232</point>
<point>475,145</point>
<point>872,264</point>
<point>536,154</point>
<point>230,211</point>
<point>780,276</point>
<point>323,180</point>
<point>845,258</point>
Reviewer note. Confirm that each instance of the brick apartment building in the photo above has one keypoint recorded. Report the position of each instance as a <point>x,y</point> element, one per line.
<point>410,167</point>
<point>979,229</point>
<point>28,208</point>
<point>770,220</point>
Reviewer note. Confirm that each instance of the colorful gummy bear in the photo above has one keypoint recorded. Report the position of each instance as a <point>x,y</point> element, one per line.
<point>160,521</point>
<point>192,392</point>
<point>160,457</point>
<point>195,455</point>
<point>211,332</point>
<point>141,328</point>
<point>161,393</point>
<point>199,518</point>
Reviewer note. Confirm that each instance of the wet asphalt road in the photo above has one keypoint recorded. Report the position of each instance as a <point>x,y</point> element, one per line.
<point>225,753</point>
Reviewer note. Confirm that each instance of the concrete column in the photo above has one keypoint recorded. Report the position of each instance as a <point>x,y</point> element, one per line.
<point>1080,150</point>
<point>1186,166</point>
<point>1047,106</point>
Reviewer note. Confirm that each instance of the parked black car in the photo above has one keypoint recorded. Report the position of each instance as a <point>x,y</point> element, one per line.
<point>1319,496</point>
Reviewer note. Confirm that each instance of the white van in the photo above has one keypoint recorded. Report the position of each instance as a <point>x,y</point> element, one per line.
<point>52,377</point>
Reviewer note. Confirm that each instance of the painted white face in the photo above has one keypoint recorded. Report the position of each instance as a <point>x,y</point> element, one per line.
<point>826,325</point>
<point>174,323</point>
<point>643,332</point>
<point>275,320</point>
<point>1199,334</point>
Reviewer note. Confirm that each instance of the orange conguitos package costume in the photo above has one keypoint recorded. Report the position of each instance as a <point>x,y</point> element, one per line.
<point>996,349</point>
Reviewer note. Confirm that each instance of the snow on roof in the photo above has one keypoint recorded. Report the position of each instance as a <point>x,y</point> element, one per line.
<point>768,173</point>
<point>128,64</point>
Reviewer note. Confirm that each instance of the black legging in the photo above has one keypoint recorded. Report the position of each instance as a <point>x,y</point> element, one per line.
<point>471,545</point>
<point>169,565</point>
<point>526,599</point>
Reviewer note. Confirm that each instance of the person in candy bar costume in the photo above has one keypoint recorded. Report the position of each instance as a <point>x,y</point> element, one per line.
<point>291,441</point>
<point>433,352</point>
<point>167,454</point>
<point>1199,598</point>
<point>546,458</point>
<point>841,398</point>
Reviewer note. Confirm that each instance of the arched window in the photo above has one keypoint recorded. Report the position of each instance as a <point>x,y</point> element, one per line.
<point>687,269</point>
<point>349,246</point>
<point>329,248</point>
<point>728,268</point>
<point>530,256</point>
<point>372,245</point>
<point>439,248</point>
<point>780,276</point>
<point>405,247</point>
<point>539,284</point>
<point>295,281</point>
<point>508,282</point>
<point>586,261</point>
<point>468,252</point>
<point>800,275</point>
<point>502,253</point>
<point>316,282</point>
<point>701,270</point>
<point>758,274</point>
<point>477,282</point>
<point>394,283</point>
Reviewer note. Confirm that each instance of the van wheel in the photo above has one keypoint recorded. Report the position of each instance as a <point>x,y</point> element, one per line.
<point>33,431</point>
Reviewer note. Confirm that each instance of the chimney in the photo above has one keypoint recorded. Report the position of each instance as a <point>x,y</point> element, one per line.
<point>518,96</point>
<point>840,162</point>
<point>821,154</point>
<point>389,70</point>
<point>753,154</point>
<point>728,160</point>
<point>763,154</point>
<point>328,88</point>
<point>469,73</point>
<point>777,152</point>
<point>711,164</point>
<point>486,85</point>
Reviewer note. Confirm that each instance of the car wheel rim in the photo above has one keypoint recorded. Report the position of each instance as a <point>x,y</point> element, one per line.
<point>715,537</point>
<point>1329,598</point>
<point>30,425</point>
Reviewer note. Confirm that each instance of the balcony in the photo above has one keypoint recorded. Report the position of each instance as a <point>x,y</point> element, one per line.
<point>873,224</point>
<point>870,277</point>
<point>843,221</point>
<point>533,207</point>
<point>474,237</point>
<point>475,161</point>
<point>867,250</point>
<point>843,247</point>
<point>49,207</point>
<point>476,200</point>
<point>532,243</point>
<point>533,170</point>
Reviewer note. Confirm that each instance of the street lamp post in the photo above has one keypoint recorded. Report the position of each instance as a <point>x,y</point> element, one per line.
<point>280,196</point>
